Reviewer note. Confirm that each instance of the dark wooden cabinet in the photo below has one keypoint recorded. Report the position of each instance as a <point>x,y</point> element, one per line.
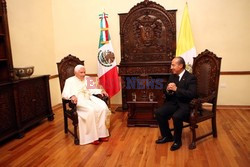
<point>33,102</point>
<point>148,44</point>
<point>24,103</point>
<point>8,119</point>
<point>6,64</point>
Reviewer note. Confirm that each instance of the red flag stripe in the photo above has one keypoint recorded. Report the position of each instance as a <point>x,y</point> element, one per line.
<point>110,82</point>
<point>106,31</point>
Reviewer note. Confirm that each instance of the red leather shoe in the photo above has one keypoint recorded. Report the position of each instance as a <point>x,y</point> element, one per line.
<point>96,142</point>
<point>104,139</point>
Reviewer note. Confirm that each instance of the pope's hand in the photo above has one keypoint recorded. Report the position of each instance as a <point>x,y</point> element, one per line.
<point>73,99</point>
<point>104,94</point>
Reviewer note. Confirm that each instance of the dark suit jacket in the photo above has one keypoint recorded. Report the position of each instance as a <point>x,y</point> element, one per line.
<point>186,88</point>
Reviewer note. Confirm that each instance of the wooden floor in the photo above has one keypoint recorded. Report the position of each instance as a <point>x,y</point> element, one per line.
<point>47,145</point>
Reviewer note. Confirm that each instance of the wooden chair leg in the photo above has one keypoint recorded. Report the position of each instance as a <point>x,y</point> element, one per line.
<point>214,128</point>
<point>193,143</point>
<point>76,140</point>
<point>65,124</point>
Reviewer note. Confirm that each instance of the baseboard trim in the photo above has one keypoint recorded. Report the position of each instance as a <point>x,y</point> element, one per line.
<point>57,106</point>
<point>247,107</point>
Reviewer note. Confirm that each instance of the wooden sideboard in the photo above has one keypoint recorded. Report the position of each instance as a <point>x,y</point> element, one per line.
<point>24,103</point>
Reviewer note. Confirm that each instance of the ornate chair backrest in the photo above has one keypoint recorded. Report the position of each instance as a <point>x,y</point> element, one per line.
<point>66,68</point>
<point>206,68</point>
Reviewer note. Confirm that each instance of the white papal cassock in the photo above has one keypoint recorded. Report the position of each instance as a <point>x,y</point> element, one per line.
<point>93,112</point>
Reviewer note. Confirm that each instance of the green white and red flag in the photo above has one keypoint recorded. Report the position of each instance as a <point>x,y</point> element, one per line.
<point>107,69</point>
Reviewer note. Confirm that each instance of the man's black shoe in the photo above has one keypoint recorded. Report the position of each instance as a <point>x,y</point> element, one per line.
<point>164,140</point>
<point>175,146</point>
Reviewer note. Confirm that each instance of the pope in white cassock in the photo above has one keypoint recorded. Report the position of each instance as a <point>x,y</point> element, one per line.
<point>93,113</point>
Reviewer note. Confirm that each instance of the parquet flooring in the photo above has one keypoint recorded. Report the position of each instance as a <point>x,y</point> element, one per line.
<point>47,145</point>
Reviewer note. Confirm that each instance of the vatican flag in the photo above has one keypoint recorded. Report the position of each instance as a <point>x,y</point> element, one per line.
<point>185,44</point>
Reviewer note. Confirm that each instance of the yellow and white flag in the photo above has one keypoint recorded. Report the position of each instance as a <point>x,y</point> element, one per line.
<point>185,44</point>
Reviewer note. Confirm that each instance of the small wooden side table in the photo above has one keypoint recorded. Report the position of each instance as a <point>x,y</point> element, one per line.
<point>142,113</point>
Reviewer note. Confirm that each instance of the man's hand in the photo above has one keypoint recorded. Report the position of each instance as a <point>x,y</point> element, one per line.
<point>73,99</point>
<point>171,87</point>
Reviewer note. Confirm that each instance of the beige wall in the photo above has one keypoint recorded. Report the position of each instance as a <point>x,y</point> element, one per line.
<point>43,32</point>
<point>32,39</point>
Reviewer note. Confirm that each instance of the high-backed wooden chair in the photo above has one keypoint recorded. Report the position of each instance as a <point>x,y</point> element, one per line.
<point>206,68</point>
<point>65,70</point>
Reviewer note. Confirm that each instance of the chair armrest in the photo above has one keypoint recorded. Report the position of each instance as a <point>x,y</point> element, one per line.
<point>104,98</point>
<point>196,105</point>
<point>69,107</point>
<point>208,99</point>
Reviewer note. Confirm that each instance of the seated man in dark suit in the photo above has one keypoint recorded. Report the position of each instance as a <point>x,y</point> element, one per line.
<point>179,91</point>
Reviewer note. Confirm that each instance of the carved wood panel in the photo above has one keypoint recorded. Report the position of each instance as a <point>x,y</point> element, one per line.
<point>66,67</point>
<point>148,33</point>
<point>148,44</point>
<point>206,68</point>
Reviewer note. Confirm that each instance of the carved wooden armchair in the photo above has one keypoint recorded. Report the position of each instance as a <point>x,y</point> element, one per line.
<point>65,70</point>
<point>206,68</point>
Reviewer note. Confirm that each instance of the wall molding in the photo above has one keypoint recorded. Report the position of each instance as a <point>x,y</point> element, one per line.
<point>53,76</point>
<point>235,72</point>
<point>56,76</point>
<point>221,73</point>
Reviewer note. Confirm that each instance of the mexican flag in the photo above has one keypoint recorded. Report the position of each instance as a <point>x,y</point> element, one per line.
<point>185,44</point>
<point>107,69</point>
